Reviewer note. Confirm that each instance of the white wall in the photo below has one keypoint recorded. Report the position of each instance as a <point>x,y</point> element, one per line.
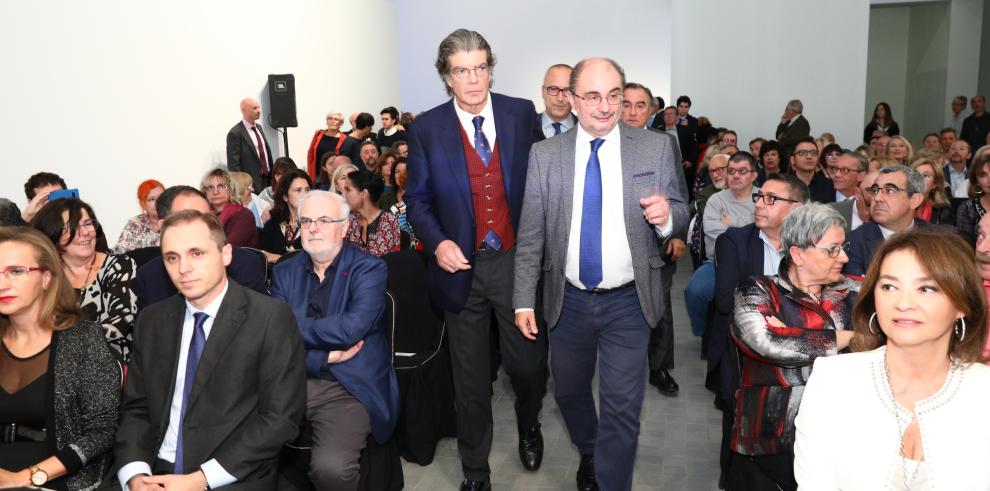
<point>887,60</point>
<point>969,22</point>
<point>109,93</point>
<point>742,61</point>
<point>528,36</point>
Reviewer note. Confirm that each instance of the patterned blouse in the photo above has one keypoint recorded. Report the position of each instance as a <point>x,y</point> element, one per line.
<point>383,234</point>
<point>137,233</point>
<point>776,361</point>
<point>110,302</point>
<point>968,217</point>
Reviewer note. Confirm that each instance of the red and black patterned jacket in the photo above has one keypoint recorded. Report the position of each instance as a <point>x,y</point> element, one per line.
<point>777,357</point>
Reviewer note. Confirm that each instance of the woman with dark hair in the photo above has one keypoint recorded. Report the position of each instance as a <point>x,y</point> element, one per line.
<point>281,232</point>
<point>369,229</point>
<point>882,121</point>
<point>325,171</point>
<point>102,281</point>
<point>143,230</point>
<point>238,221</point>
<point>392,201</point>
<point>61,386</point>
<point>829,155</point>
<point>281,167</point>
<point>770,161</point>
<point>385,168</point>
<point>911,401</point>
<point>972,210</point>
<point>782,324</point>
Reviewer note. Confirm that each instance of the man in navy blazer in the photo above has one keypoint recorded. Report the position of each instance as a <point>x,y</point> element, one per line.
<point>337,294</point>
<point>464,192</point>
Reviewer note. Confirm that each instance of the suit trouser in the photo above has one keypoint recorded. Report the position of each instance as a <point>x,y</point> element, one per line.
<point>524,361</point>
<point>661,350</point>
<point>340,426</point>
<point>611,329</point>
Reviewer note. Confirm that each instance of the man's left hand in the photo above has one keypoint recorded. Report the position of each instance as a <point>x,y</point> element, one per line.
<point>676,248</point>
<point>342,356</point>
<point>180,482</point>
<point>656,209</point>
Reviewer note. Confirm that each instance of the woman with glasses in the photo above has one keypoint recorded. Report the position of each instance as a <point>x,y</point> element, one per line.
<point>829,156</point>
<point>281,233</point>
<point>935,209</point>
<point>781,324</point>
<point>238,221</point>
<point>882,122</point>
<point>907,409</point>
<point>102,281</point>
<point>369,229</point>
<point>972,210</point>
<point>61,386</point>
<point>143,230</point>
<point>327,141</point>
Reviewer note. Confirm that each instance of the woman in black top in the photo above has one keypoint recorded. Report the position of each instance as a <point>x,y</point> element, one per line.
<point>61,386</point>
<point>883,120</point>
<point>280,234</point>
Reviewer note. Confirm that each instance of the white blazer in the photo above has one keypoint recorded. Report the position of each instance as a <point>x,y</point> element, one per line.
<point>848,436</point>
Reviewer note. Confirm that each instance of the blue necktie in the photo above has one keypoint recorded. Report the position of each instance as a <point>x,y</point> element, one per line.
<point>590,272</point>
<point>556,128</point>
<point>196,346</point>
<point>480,142</point>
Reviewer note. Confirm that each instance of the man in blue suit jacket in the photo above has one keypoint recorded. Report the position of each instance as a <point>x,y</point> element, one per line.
<point>466,176</point>
<point>337,294</point>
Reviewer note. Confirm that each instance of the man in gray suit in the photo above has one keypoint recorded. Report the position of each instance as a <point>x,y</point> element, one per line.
<point>601,202</point>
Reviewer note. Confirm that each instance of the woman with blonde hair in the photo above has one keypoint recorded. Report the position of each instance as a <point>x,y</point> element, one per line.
<point>244,189</point>
<point>339,176</point>
<point>900,149</point>
<point>238,221</point>
<point>61,386</point>
<point>935,209</point>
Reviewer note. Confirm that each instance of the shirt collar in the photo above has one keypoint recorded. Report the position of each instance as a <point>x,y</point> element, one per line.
<point>886,232</point>
<point>467,118</point>
<point>766,240</point>
<point>583,137</point>
<point>214,306</point>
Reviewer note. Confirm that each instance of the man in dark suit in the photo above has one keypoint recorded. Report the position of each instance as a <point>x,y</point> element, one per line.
<point>897,192</point>
<point>751,250</point>
<point>216,382</point>
<point>804,165</point>
<point>593,227</point>
<point>247,148</point>
<point>556,117</point>
<point>151,283</point>
<point>464,191</point>
<point>337,294</point>
<point>793,127</point>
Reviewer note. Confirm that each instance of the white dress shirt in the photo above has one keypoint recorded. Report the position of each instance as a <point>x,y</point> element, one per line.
<point>216,476</point>
<point>487,126</point>
<point>771,256</point>
<point>958,182</point>
<point>854,216</point>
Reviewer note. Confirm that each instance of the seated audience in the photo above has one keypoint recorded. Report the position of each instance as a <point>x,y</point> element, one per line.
<point>282,166</point>
<point>976,206</point>
<point>781,325</point>
<point>61,386</point>
<point>10,214</point>
<point>878,143</point>
<point>36,189</point>
<point>935,208</point>
<point>931,142</point>
<point>956,168</point>
<point>400,148</point>
<point>244,190</point>
<point>865,151</point>
<point>392,202</point>
<point>217,384</point>
<point>910,395</point>
<point>770,162</point>
<point>330,140</point>
<point>151,284</point>
<point>391,131</point>
<point>804,165</point>
<point>281,233</point>
<point>847,172</point>
<point>983,258</point>
<point>142,230</point>
<point>900,149</point>
<point>340,177</point>
<point>369,155</point>
<point>370,229</point>
<point>338,296</point>
<point>882,122</point>
<point>714,168</point>
<point>386,163</point>
<point>102,281</point>
<point>324,171</point>
<point>897,193</point>
<point>238,221</point>
<point>946,137</point>
<point>827,156</point>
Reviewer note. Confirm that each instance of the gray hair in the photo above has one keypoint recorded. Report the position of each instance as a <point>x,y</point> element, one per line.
<point>962,99</point>
<point>863,164</point>
<point>795,105</point>
<point>580,68</point>
<point>915,181</point>
<point>807,224</point>
<point>344,207</point>
<point>456,42</point>
<point>10,214</point>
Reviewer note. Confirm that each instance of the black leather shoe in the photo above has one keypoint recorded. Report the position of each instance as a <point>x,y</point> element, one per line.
<point>531,448</point>
<point>664,382</point>
<point>586,480</point>
<point>469,485</point>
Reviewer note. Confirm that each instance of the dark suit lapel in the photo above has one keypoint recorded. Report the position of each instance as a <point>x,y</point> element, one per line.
<point>505,134</point>
<point>756,253</point>
<point>874,237</point>
<point>453,150</point>
<point>247,138</point>
<point>230,317</point>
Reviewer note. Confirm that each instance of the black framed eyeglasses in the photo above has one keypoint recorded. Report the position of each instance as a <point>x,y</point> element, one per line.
<point>594,98</point>
<point>741,172</point>
<point>806,153</point>
<point>888,190</point>
<point>842,171</point>
<point>833,251</point>
<point>553,90</point>
<point>770,199</point>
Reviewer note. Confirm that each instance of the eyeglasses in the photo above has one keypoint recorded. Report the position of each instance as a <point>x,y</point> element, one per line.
<point>461,73</point>
<point>888,190</point>
<point>843,171</point>
<point>806,153</point>
<point>18,273</point>
<point>770,199</point>
<point>928,177</point>
<point>594,98</point>
<point>90,224</point>
<point>553,90</point>
<point>322,222</point>
<point>833,251</point>
<point>741,172</point>
<point>218,187</point>
<point>716,170</point>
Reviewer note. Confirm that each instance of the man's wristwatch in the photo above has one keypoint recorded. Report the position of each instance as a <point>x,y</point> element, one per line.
<point>38,476</point>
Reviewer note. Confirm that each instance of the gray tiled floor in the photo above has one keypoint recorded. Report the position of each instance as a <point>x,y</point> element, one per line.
<point>678,442</point>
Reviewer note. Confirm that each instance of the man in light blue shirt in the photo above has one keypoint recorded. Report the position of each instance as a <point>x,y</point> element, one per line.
<point>556,117</point>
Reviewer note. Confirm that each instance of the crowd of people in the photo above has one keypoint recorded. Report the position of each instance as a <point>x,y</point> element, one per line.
<point>829,280</point>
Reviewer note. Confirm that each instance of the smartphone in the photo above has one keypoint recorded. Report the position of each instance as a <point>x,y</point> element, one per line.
<point>64,193</point>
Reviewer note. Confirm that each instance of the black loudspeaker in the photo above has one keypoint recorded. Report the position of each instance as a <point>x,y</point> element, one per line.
<point>282,99</point>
